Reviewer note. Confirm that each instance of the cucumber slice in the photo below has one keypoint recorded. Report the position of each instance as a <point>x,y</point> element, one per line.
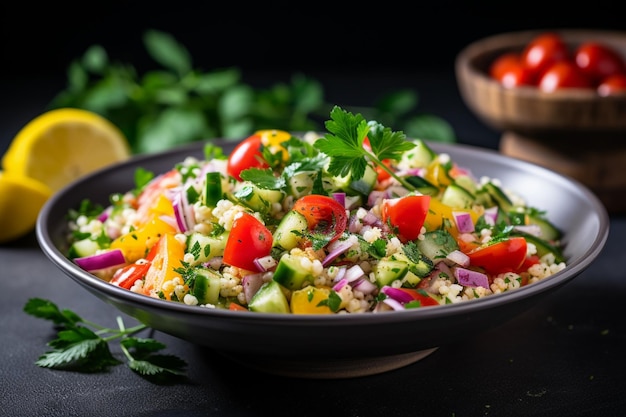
<point>549,231</point>
<point>206,286</point>
<point>499,196</point>
<point>83,247</point>
<point>213,189</point>
<point>258,199</point>
<point>270,298</point>
<point>302,183</point>
<point>289,273</point>
<point>362,186</point>
<point>457,197</point>
<point>204,247</point>
<point>284,236</point>
<point>388,270</point>
<point>543,247</point>
<point>421,267</point>
<point>437,244</point>
<point>418,157</point>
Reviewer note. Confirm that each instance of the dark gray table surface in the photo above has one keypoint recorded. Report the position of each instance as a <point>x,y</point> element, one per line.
<point>564,357</point>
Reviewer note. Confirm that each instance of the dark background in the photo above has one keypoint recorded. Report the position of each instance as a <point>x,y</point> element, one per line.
<point>358,52</point>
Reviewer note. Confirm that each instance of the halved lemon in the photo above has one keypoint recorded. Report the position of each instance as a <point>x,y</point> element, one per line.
<point>21,198</point>
<point>61,145</point>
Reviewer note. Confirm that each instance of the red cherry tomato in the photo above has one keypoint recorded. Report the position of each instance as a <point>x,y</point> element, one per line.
<point>504,256</point>
<point>247,154</point>
<point>420,295</point>
<point>406,215</point>
<point>248,240</point>
<point>599,61</point>
<point>510,71</point>
<point>563,74</point>
<point>612,84</point>
<point>323,214</point>
<point>543,51</point>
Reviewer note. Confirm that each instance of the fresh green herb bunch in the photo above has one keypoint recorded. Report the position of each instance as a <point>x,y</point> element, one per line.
<point>179,104</point>
<point>78,348</point>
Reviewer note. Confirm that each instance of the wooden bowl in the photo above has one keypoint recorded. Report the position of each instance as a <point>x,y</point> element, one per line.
<point>573,131</point>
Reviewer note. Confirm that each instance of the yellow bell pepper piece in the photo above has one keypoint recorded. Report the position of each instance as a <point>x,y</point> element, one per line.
<point>440,216</point>
<point>307,300</point>
<point>136,244</point>
<point>167,258</point>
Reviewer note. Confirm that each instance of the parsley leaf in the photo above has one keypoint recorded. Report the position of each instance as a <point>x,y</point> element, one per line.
<point>344,145</point>
<point>78,348</point>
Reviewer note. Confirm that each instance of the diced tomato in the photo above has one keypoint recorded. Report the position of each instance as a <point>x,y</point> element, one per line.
<point>323,214</point>
<point>406,215</point>
<point>236,307</point>
<point>504,256</point>
<point>128,275</point>
<point>248,240</point>
<point>247,154</point>
<point>528,262</point>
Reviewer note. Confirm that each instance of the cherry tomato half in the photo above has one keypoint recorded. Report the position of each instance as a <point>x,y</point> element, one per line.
<point>563,74</point>
<point>612,84</point>
<point>542,51</point>
<point>406,215</point>
<point>504,256</point>
<point>247,154</point>
<point>323,214</point>
<point>599,61</point>
<point>510,71</point>
<point>248,240</point>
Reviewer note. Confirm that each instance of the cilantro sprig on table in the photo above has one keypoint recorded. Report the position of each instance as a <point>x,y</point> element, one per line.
<point>79,348</point>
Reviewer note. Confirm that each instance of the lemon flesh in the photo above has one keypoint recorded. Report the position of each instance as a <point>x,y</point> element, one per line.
<point>62,145</point>
<point>21,198</point>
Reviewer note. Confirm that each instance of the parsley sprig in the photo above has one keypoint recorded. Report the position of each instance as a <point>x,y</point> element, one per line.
<point>344,145</point>
<point>81,349</point>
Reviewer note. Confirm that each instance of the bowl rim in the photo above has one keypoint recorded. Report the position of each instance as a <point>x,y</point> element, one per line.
<point>93,283</point>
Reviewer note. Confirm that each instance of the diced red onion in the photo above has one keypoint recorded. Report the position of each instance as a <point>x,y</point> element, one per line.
<point>491,215</point>
<point>341,272</point>
<point>371,219</point>
<point>471,278</point>
<point>105,214</point>
<point>375,197</point>
<point>396,305</point>
<point>251,284</point>
<point>463,221</point>
<point>354,272</point>
<point>459,258</point>
<point>340,284</point>
<point>265,263</point>
<point>396,294</point>
<point>179,214</point>
<point>102,260</point>
<point>364,285</point>
<point>340,198</point>
<point>337,248</point>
